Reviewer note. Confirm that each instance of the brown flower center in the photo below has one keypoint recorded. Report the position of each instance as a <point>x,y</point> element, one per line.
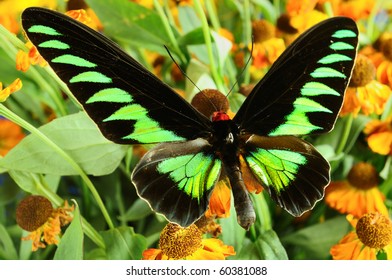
<point>374,230</point>
<point>283,24</point>
<point>177,242</point>
<point>363,73</point>
<point>209,101</point>
<point>262,30</point>
<point>363,176</point>
<point>33,211</point>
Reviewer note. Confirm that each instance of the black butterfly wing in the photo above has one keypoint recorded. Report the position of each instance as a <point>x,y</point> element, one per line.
<point>301,94</point>
<point>177,179</point>
<point>303,91</point>
<point>290,169</point>
<point>128,103</point>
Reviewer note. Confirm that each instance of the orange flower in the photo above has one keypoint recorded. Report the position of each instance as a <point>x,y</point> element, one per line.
<point>372,235</point>
<point>384,70</point>
<point>364,93</point>
<point>187,243</point>
<point>380,136</point>
<point>10,23</point>
<point>359,194</point>
<point>355,9</point>
<point>13,87</point>
<point>36,214</point>
<point>24,60</point>
<point>87,17</point>
<point>219,206</point>
<point>264,54</point>
<point>10,135</point>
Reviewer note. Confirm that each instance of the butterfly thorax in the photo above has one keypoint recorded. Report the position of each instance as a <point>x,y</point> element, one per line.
<point>225,137</point>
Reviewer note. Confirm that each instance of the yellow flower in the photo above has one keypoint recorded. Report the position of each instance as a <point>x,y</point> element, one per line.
<point>10,135</point>
<point>359,194</point>
<point>380,136</point>
<point>364,93</point>
<point>24,60</point>
<point>13,87</point>
<point>372,235</point>
<point>36,215</point>
<point>10,11</point>
<point>187,243</point>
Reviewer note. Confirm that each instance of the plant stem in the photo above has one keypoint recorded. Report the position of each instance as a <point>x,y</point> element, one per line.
<point>169,31</point>
<point>21,122</point>
<point>207,38</point>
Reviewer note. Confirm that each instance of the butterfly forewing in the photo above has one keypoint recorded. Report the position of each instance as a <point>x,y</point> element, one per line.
<point>128,103</point>
<point>303,91</point>
<point>301,94</point>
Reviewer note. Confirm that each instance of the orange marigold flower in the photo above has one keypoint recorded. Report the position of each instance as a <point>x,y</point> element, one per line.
<point>355,9</point>
<point>219,206</point>
<point>372,235</point>
<point>177,243</point>
<point>380,136</point>
<point>36,215</point>
<point>10,23</point>
<point>264,54</point>
<point>359,194</point>
<point>7,91</point>
<point>295,7</point>
<point>384,70</point>
<point>364,93</point>
<point>87,17</point>
<point>24,60</point>
<point>10,135</point>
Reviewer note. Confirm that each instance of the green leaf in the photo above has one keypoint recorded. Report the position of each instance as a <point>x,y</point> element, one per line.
<point>7,248</point>
<point>266,247</point>
<point>123,243</point>
<point>316,241</point>
<point>138,211</point>
<point>194,37</point>
<point>199,74</point>
<point>236,234</point>
<point>188,19</point>
<point>8,189</point>
<point>236,100</point>
<point>71,243</point>
<point>125,21</point>
<point>78,136</point>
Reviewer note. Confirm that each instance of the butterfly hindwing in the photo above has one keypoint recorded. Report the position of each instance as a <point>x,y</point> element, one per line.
<point>128,103</point>
<point>291,169</point>
<point>177,179</point>
<point>303,91</point>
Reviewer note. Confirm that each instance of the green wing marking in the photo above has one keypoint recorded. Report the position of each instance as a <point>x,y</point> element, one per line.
<point>177,179</point>
<point>292,171</point>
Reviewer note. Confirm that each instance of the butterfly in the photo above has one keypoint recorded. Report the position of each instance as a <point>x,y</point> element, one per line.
<point>300,95</point>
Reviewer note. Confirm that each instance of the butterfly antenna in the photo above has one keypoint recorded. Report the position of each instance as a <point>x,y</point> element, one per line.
<point>179,67</point>
<point>243,69</point>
